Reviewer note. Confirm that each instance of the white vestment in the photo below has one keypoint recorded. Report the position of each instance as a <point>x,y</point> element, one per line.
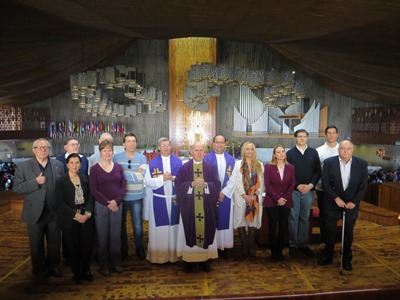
<point>225,237</point>
<point>163,239</point>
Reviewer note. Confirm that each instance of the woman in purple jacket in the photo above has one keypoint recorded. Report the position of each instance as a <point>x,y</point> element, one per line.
<point>279,184</point>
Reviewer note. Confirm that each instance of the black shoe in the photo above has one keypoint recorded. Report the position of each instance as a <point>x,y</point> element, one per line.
<point>280,256</point>
<point>223,253</point>
<point>325,261</point>
<point>104,272</point>
<point>55,272</point>
<point>307,251</point>
<point>41,279</point>
<point>292,251</point>
<point>140,253</point>
<point>78,279</point>
<point>205,265</point>
<point>88,276</point>
<point>119,269</point>
<point>187,266</point>
<point>347,266</point>
<point>274,256</point>
<point>124,254</point>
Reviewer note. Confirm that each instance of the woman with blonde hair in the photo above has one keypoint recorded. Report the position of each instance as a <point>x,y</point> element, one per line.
<point>248,198</point>
<point>279,184</point>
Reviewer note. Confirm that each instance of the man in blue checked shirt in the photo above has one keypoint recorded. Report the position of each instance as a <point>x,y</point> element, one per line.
<point>134,164</point>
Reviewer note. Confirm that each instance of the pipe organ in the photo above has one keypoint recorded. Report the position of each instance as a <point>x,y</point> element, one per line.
<point>254,117</point>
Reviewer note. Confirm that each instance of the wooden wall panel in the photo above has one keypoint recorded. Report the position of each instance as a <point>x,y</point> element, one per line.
<point>376,125</point>
<point>323,120</point>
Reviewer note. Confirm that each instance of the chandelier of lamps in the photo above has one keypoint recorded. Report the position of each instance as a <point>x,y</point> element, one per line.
<point>116,92</point>
<point>280,89</point>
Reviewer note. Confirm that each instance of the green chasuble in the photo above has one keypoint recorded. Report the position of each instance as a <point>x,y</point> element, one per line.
<point>199,206</point>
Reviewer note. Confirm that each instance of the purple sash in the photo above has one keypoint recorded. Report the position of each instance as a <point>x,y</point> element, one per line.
<point>224,208</point>
<point>159,203</point>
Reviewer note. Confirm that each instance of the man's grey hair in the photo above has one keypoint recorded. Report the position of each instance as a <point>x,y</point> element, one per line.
<point>163,139</point>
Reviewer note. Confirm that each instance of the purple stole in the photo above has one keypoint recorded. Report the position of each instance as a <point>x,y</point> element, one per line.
<point>159,203</point>
<point>224,207</point>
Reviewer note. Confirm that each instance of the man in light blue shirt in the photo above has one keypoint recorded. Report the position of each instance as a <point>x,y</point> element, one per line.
<point>134,165</point>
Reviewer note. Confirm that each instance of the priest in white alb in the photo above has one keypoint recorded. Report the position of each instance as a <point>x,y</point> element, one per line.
<point>161,209</point>
<point>225,165</point>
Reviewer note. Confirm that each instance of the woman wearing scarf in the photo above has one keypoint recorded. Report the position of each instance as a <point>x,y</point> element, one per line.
<point>248,198</point>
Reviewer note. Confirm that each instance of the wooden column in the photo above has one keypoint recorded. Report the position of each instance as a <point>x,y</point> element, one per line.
<point>183,53</point>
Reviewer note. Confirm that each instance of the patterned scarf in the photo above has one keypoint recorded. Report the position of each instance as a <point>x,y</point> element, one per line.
<point>251,185</point>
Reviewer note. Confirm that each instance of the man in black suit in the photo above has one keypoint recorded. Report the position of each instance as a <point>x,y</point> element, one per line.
<point>344,180</point>
<point>71,145</point>
<point>35,179</point>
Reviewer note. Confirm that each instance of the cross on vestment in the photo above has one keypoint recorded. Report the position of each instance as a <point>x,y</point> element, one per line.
<point>199,195</point>
<point>200,239</point>
<point>229,171</point>
<point>199,217</point>
<point>198,173</point>
<point>156,173</point>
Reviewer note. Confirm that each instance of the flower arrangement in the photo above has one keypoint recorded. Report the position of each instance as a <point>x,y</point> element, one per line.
<point>233,147</point>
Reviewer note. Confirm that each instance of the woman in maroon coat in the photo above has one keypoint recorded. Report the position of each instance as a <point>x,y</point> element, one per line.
<point>279,184</point>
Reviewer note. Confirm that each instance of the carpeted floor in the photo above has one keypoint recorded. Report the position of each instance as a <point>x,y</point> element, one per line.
<point>376,266</point>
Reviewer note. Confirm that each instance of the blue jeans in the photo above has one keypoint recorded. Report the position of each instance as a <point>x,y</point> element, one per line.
<point>299,219</point>
<point>135,207</point>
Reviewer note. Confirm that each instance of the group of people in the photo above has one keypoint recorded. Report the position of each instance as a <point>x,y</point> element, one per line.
<point>192,208</point>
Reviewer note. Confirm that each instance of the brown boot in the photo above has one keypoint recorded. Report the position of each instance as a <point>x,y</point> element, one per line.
<point>251,241</point>
<point>243,241</point>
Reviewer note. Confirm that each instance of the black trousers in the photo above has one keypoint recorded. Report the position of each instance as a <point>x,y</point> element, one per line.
<point>321,222</point>
<point>278,227</point>
<point>79,242</point>
<point>331,216</point>
<point>44,243</point>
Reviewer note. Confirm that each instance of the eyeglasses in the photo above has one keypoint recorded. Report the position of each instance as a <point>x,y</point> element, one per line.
<point>74,145</point>
<point>42,148</point>
<point>129,164</point>
<point>302,136</point>
<point>164,145</point>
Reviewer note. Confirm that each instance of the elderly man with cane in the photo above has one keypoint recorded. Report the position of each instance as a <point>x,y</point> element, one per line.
<point>344,180</point>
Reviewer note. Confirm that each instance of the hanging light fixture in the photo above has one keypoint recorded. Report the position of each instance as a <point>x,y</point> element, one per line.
<point>123,83</point>
<point>204,81</point>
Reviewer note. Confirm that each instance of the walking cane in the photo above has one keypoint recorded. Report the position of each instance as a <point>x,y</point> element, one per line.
<point>342,246</point>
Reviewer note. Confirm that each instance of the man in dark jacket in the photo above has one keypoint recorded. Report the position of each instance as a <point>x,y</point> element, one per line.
<point>35,179</point>
<point>307,172</point>
<point>344,180</point>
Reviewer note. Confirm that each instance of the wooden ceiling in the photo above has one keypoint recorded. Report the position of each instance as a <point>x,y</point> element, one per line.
<point>349,46</point>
